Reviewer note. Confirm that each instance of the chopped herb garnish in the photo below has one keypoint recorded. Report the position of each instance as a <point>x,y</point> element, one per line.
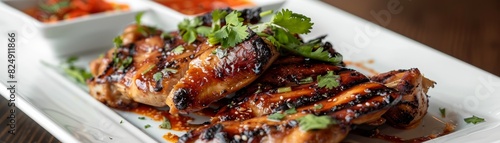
<point>291,111</point>
<point>148,69</point>
<point>318,106</point>
<point>306,80</point>
<point>178,50</point>
<point>126,63</point>
<point>142,118</point>
<point>284,89</point>
<point>138,22</point>
<point>121,121</point>
<point>157,76</point>
<point>311,122</point>
<point>167,70</point>
<point>266,13</point>
<point>276,116</point>
<point>166,124</point>
<point>118,41</point>
<point>329,81</point>
<point>474,120</point>
<point>147,126</point>
<point>78,73</point>
<point>56,7</point>
<point>443,112</point>
<point>165,35</point>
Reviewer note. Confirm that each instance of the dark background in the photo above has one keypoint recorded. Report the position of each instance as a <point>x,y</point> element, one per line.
<point>467,30</point>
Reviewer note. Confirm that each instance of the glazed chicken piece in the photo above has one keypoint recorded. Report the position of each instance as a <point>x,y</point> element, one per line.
<point>413,87</point>
<point>262,97</point>
<point>352,106</point>
<point>145,69</point>
<point>210,78</point>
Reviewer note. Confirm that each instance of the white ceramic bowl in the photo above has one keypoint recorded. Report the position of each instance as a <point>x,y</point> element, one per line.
<point>167,17</point>
<point>69,37</point>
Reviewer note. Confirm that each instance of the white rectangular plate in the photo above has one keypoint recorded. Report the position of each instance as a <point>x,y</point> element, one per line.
<point>67,111</point>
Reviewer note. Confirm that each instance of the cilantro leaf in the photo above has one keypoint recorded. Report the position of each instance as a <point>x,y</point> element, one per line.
<point>166,124</point>
<point>318,106</point>
<point>474,120</point>
<point>293,22</point>
<point>157,76</point>
<point>311,122</point>
<point>291,111</point>
<point>276,116</point>
<point>178,50</point>
<point>77,73</point>
<point>188,29</point>
<point>234,32</point>
<point>147,126</point>
<point>118,41</point>
<point>329,81</point>
<point>218,15</point>
<point>443,112</point>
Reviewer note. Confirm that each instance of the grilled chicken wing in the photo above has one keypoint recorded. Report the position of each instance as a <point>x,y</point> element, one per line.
<point>413,87</point>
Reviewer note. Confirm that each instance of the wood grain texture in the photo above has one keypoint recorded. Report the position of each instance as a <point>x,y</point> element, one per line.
<point>27,130</point>
<point>466,30</point>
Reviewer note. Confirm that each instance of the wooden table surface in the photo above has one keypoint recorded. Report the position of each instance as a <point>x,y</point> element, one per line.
<point>469,31</point>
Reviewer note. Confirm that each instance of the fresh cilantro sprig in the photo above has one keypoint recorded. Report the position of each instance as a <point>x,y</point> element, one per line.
<point>78,73</point>
<point>285,25</point>
<point>329,81</point>
<point>474,120</point>
<point>190,28</point>
<point>234,32</point>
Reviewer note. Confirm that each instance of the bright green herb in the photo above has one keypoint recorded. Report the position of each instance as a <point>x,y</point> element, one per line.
<point>178,50</point>
<point>443,112</point>
<point>232,33</point>
<point>54,8</point>
<point>142,118</point>
<point>157,76</point>
<point>118,41</point>
<point>189,29</point>
<point>318,106</point>
<point>474,120</point>
<point>276,116</point>
<point>148,69</point>
<point>329,81</point>
<point>291,111</point>
<point>166,124</point>
<point>147,126</point>
<point>138,22</point>
<point>78,73</point>
<point>311,122</point>
<point>171,70</point>
<point>295,23</point>
<point>306,80</point>
<point>284,89</point>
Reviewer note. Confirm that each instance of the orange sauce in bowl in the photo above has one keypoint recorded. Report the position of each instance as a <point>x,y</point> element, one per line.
<point>195,7</point>
<point>51,11</point>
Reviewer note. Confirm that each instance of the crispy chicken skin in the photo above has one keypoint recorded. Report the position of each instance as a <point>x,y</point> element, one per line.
<point>413,87</point>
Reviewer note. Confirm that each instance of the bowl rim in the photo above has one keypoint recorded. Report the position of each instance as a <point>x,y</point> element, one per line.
<point>92,17</point>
